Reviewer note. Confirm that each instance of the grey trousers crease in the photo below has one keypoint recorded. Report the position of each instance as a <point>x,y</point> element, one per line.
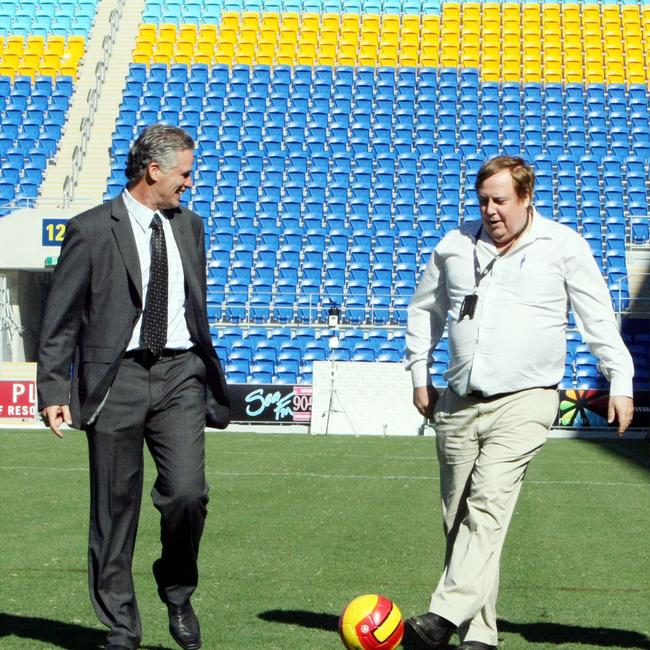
<point>164,407</point>
<point>484,448</point>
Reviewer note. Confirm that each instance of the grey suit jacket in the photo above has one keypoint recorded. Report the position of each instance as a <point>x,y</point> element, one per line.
<point>95,301</point>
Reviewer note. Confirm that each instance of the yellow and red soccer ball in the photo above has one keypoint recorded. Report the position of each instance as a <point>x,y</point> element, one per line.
<point>371,622</point>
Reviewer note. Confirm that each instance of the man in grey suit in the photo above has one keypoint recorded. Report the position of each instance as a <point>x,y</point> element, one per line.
<point>126,355</point>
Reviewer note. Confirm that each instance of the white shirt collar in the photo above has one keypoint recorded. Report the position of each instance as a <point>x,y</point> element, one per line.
<point>139,213</point>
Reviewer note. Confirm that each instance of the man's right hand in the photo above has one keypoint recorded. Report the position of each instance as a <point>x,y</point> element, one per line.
<point>55,416</point>
<point>424,400</point>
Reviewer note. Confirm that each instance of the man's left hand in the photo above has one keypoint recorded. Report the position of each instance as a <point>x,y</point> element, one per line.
<point>621,409</point>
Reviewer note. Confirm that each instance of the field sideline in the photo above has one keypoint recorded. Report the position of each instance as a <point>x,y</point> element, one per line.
<point>301,524</point>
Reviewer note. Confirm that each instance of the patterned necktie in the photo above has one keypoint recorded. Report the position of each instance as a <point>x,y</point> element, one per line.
<point>154,326</point>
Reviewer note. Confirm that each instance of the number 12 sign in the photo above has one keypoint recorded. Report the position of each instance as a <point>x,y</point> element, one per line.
<point>54,231</point>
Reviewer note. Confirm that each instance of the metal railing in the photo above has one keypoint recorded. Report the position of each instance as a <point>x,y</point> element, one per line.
<point>94,94</point>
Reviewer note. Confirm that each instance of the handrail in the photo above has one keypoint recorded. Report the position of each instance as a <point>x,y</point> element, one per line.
<point>86,122</point>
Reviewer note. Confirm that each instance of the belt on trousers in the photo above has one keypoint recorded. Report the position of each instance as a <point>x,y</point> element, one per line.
<point>148,357</point>
<point>476,394</point>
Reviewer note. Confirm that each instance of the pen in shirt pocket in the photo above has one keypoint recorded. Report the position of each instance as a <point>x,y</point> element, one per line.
<point>522,261</point>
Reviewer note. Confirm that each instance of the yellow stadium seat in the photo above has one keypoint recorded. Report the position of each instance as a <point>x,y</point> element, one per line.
<point>636,72</point>
<point>431,22</point>
<point>551,28</point>
<point>269,36</point>
<point>227,36</point>
<point>164,48</point>
<point>410,39</point>
<point>222,57</point>
<point>470,56</point>
<point>247,35</point>
<point>250,20</point>
<point>265,50</point>
<point>491,41</point>
<point>471,27</point>
<point>410,24</point>
<point>451,10</point>
<point>306,54</point>
<point>308,36</point>
<point>491,28</point>
<point>408,55</point>
<point>286,53</point>
<point>15,45</point>
<point>350,21</point>
<point>511,12</point>
<point>471,11</point>
<point>207,33</point>
<point>69,70</point>
<point>187,32</point>
<point>270,21</point>
<point>327,54</point>
<point>330,37</point>
<point>185,59</point>
<point>35,44</point>
<point>552,70</point>
<point>347,50</point>
<point>167,32</point>
<point>491,71</point>
<point>331,22</point>
<point>574,40</point>
<point>204,48</point>
<point>184,49</point>
<point>570,12</point>
<point>27,71</point>
<point>76,46</point>
<point>245,53</point>
<point>138,57</point>
<point>511,29</point>
<point>388,59</point>
<point>309,22</point>
<point>615,73</point>
<point>288,35</point>
<point>50,60</point>
<point>531,12</point>
<point>230,20</point>
<point>532,71</point>
<point>290,21</point>
<point>449,56</point>
<point>389,22</point>
<point>9,71</point>
<point>593,72</point>
<point>511,63</point>
<point>345,58</point>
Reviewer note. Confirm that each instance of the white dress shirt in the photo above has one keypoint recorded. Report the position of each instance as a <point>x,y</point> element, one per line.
<point>178,335</point>
<point>517,338</point>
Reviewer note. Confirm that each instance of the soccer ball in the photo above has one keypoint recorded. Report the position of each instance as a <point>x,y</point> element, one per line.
<point>371,622</point>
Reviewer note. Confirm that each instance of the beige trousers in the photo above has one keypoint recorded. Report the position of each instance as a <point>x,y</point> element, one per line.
<point>484,448</point>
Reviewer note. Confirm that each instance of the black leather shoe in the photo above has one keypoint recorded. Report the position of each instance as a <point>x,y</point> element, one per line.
<point>476,645</point>
<point>184,626</point>
<point>427,631</point>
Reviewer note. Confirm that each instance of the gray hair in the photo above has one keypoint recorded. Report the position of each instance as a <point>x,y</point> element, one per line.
<point>157,143</point>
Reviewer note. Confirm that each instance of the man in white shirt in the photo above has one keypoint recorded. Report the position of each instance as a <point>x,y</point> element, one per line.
<point>503,286</point>
<point>126,355</point>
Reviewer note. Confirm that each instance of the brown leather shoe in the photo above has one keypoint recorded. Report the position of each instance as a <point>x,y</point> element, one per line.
<point>427,631</point>
<point>184,626</point>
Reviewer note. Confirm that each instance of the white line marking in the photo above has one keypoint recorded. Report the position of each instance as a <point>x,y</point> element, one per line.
<point>352,477</point>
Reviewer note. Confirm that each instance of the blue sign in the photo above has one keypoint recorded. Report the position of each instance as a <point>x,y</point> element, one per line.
<point>54,231</point>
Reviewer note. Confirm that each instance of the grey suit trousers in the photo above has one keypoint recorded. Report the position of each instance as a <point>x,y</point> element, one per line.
<point>164,406</point>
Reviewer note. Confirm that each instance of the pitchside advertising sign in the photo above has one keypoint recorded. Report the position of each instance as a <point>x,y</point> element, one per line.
<point>271,403</point>
<point>287,404</point>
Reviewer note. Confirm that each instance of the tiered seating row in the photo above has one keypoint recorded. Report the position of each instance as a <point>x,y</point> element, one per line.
<point>549,42</point>
<point>31,121</point>
<point>36,55</point>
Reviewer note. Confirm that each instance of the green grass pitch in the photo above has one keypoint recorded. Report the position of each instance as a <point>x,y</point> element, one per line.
<point>299,525</point>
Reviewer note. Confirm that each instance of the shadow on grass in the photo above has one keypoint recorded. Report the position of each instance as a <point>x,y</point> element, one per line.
<point>317,620</point>
<point>58,634</point>
<point>635,450</point>
<point>559,633</point>
<point>547,633</point>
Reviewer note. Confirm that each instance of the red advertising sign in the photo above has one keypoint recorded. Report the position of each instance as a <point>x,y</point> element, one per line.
<point>17,399</point>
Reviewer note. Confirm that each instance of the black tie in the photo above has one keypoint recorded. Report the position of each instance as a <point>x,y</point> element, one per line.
<point>154,326</point>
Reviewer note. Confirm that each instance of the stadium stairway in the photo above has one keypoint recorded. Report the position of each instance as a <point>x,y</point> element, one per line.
<point>95,164</point>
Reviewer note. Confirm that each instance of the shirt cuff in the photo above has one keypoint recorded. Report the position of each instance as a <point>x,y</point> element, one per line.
<point>621,385</point>
<point>420,374</point>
